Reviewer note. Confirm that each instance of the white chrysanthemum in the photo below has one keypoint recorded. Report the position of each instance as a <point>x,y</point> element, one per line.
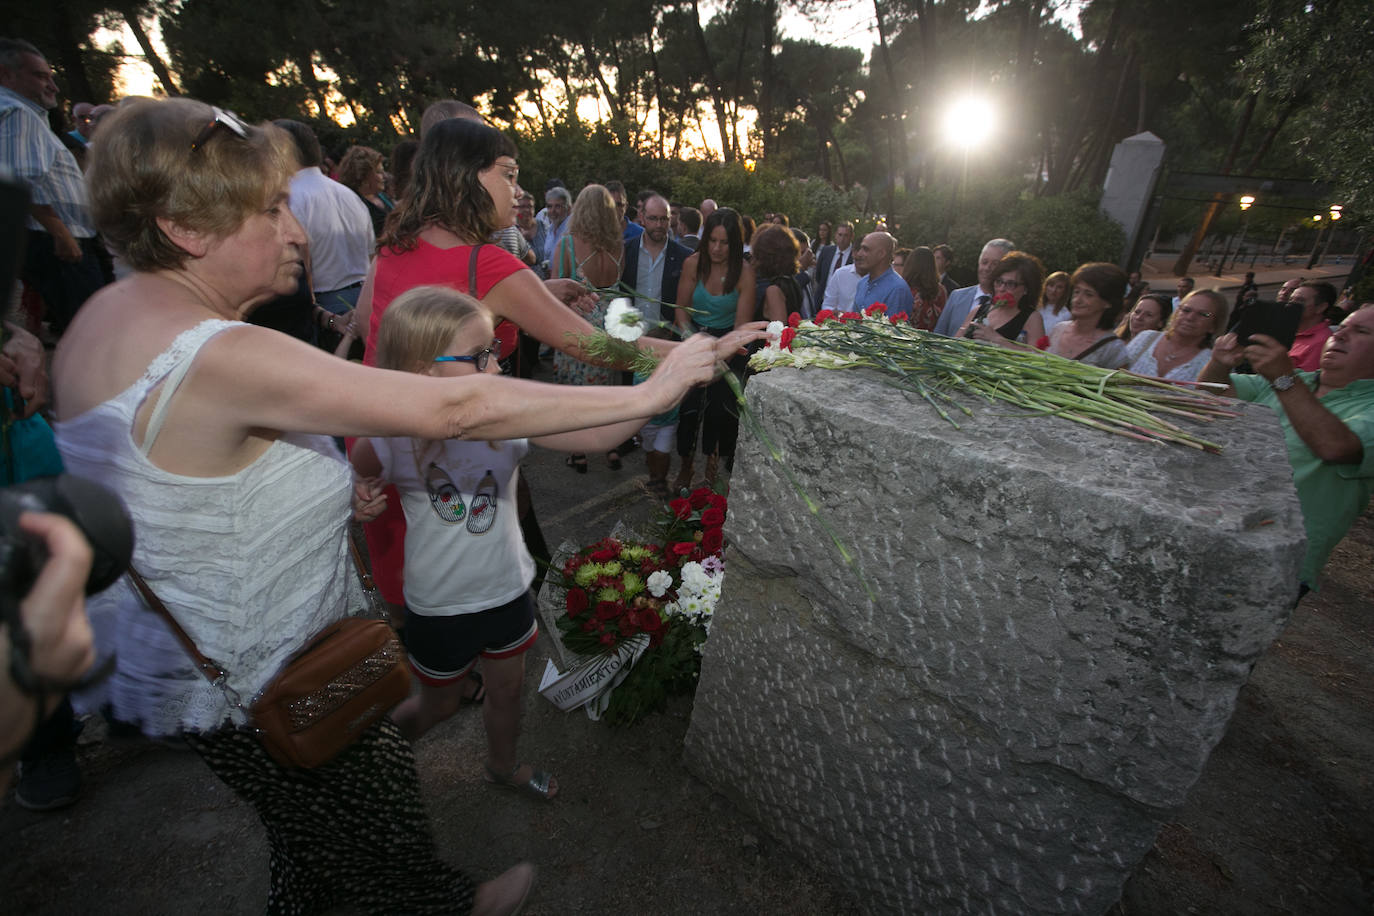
<point>623,320</point>
<point>774,332</point>
<point>659,583</point>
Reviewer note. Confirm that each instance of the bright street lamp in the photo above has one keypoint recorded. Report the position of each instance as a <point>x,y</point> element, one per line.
<point>968,122</point>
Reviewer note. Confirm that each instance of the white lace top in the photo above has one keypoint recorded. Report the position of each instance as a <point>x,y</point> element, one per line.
<point>1140,354</point>
<point>251,565</point>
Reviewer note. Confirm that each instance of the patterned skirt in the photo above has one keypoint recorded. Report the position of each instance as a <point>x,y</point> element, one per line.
<point>351,832</point>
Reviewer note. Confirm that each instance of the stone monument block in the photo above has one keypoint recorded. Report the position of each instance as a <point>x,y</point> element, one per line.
<point>1063,621</point>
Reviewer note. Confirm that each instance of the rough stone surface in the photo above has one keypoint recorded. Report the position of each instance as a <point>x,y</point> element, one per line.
<point>1063,621</point>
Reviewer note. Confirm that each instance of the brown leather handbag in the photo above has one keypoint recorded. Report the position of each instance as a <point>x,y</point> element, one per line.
<point>344,679</point>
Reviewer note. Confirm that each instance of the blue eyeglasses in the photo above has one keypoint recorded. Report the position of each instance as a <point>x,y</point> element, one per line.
<point>479,359</point>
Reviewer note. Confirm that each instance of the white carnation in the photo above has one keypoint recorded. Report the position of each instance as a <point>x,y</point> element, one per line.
<point>659,583</point>
<point>623,320</point>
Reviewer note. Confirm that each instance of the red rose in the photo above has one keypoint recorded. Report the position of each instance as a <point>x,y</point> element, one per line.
<point>700,498</point>
<point>577,601</point>
<point>823,316</point>
<point>875,310</point>
<point>654,626</point>
<point>684,548</point>
<point>900,318</point>
<point>607,610</point>
<point>681,508</point>
<point>712,518</point>
<point>794,319</point>
<point>711,541</point>
<point>788,335</point>
<point>608,639</point>
<point>718,502</point>
<point>591,625</point>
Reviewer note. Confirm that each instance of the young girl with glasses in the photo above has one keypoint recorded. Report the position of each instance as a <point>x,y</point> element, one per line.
<point>467,570</point>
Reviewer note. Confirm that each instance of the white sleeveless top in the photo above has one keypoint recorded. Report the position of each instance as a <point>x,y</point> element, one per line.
<point>251,565</point>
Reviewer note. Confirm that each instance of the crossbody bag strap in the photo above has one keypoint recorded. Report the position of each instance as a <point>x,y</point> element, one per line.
<point>1102,342</point>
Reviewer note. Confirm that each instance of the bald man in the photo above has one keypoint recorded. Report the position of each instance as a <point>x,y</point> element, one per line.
<point>881,284</point>
<point>707,207</point>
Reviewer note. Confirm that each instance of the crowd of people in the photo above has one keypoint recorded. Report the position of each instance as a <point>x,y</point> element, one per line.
<point>201,277</point>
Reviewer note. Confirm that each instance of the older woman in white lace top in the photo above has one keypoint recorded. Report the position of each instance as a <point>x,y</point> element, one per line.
<point>1181,350</point>
<point>215,434</point>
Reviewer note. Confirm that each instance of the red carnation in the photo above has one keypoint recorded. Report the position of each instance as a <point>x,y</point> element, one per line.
<point>591,625</point>
<point>606,554</point>
<point>608,639</point>
<point>1004,299</point>
<point>712,518</point>
<point>681,508</point>
<point>788,335</point>
<point>711,541</point>
<point>684,548</point>
<point>577,601</point>
<point>823,316</point>
<point>900,318</point>
<point>875,310</point>
<point>607,610</point>
<point>794,319</point>
<point>850,316</point>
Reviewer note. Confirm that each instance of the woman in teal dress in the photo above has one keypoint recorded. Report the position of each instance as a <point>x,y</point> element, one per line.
<point>715,295</point>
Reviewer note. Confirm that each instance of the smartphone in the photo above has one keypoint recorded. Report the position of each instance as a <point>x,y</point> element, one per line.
<point>1276,319</point>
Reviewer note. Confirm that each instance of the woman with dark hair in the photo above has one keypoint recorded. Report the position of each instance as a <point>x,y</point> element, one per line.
<point>1016,284</point>
<point>716,295</point>
<point>1099,291</point>
<point>777,292</point>
<point>1150,313</point>
<point>822,237</point>
<point>1182,349</point>
<point>747,229</point>
<point>402,162</point>
<point>927,293</point>
<point>464,186</point>
<point>214,434</point>
<point>363,173</point>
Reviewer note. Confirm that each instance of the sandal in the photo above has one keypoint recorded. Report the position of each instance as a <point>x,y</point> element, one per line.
<point>478,694</point>
<point>613,459</point>
<point>577,462</point>
<point>538,785</point>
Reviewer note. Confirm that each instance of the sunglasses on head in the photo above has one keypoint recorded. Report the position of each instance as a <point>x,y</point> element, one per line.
<point>226,119</point>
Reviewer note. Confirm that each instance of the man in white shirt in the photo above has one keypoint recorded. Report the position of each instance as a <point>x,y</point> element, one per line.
<point>336,222</point>
<point>840,290</point>
<point>554,225</point>
<point>1183,288</point>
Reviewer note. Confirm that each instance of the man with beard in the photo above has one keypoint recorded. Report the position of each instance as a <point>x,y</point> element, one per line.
<point>653,263</point>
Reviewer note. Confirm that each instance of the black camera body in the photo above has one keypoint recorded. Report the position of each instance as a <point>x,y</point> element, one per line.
<point>95,510</point>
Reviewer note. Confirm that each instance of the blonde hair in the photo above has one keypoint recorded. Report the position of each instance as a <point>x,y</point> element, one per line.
<point>596,220</point>
<point>418,326</point>
<point>144,169</point>
<point>1221,313</point>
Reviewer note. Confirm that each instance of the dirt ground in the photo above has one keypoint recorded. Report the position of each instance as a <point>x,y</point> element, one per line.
<point>1282,820</point>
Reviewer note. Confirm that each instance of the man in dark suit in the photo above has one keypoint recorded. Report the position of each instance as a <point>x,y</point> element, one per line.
<point>689,227</point>
<point>832,257</point>
<point>653,263</point>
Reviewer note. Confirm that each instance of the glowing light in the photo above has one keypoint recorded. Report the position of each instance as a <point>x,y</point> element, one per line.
<point>968,122</point>
<point>1247,202</point>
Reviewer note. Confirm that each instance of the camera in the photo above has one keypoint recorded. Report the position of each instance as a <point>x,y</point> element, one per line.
<point>95,510</point>
<point>1275,319</point>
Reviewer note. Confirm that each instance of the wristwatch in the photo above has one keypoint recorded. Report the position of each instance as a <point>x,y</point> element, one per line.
<point>1284,382</point>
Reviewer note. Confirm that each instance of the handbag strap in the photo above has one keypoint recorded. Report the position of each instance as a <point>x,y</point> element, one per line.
<point>1101,342</point>
<point>208,667</point>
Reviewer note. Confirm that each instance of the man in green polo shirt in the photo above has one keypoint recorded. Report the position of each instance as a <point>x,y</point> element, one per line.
<point>1328,423</point>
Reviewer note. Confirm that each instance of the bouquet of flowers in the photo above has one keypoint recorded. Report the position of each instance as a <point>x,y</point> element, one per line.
<point>622,591</point>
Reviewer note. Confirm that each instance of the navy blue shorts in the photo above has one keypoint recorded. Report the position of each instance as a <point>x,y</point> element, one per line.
<point>444,649</point>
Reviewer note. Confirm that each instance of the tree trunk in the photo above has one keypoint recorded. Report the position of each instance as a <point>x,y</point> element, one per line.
<point>658,81</point>
<point>1185,257</point>
<point>896,126</point>
<point>767,77</point>
<point>712,83</point>
<point>1074,142</point>
<point>69,56</point>
<point>164,76</point>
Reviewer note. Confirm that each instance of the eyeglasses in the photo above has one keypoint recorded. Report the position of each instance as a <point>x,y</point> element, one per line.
<point>480,359</point>
<point>226,119</point>
<point>1189,310</point>
<point>1007,283</point>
